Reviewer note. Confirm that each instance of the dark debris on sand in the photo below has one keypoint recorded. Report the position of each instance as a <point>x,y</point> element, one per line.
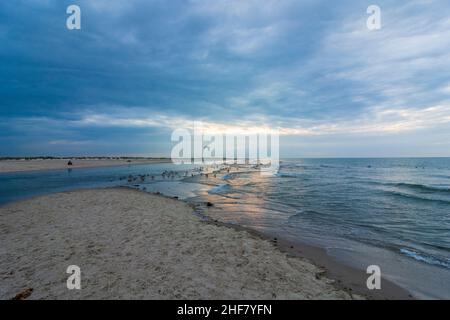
<point>22,295</point>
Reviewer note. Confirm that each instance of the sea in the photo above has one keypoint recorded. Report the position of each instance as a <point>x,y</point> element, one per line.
<point>389,212</point>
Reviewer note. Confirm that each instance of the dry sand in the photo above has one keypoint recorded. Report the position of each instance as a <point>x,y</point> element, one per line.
<point>52,164</point>
<point>131,244</point>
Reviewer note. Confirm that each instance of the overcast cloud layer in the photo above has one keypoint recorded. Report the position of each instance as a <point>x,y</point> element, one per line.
<point>138,69</point>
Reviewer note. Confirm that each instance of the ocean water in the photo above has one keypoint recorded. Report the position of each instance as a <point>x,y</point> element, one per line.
<point>394,213</point>
<point>21,185</point>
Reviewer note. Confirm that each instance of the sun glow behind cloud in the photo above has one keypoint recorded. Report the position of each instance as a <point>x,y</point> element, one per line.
<point>378,121</point>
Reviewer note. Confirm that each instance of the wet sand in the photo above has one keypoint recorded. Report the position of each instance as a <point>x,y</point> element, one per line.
<point>134,245</point>
<point>54,164</point>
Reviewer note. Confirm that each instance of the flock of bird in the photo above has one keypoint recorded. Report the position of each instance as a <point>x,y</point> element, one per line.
<point>205,171</point>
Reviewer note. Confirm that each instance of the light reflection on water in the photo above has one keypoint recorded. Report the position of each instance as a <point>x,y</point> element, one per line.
<point>391,212</point>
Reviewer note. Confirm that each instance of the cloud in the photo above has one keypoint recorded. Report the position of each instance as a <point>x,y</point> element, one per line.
<point>145,67</point>
<point>379,121</point>
<point>70,143</point>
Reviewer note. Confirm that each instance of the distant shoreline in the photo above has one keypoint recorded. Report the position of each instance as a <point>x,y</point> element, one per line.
<point>12,165</point>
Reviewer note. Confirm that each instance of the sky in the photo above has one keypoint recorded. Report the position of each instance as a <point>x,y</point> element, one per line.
<point>137,70</point>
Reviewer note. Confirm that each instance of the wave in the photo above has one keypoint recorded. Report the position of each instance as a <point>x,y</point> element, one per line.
<point>289,175</point>
<point>232,175</point>
<point>426,258</point>
<point>422,187</point>
<point>412,186</point>
<point>415,197</point>
<point>304,213</point>
<point>300,166</point>
<point>220,189</point>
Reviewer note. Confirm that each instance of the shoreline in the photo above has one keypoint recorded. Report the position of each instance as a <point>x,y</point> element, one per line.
<point>135,245</point>
<point>325,271</point>
<point>35,165</point>
<point>347,278</point>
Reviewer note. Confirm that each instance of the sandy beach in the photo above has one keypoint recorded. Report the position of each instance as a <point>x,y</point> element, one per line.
<point>134,245</point>
<point>54,164</point>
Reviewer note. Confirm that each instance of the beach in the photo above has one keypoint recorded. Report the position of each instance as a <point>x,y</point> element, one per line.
<point>135,245</point>
<point>23,165</point>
